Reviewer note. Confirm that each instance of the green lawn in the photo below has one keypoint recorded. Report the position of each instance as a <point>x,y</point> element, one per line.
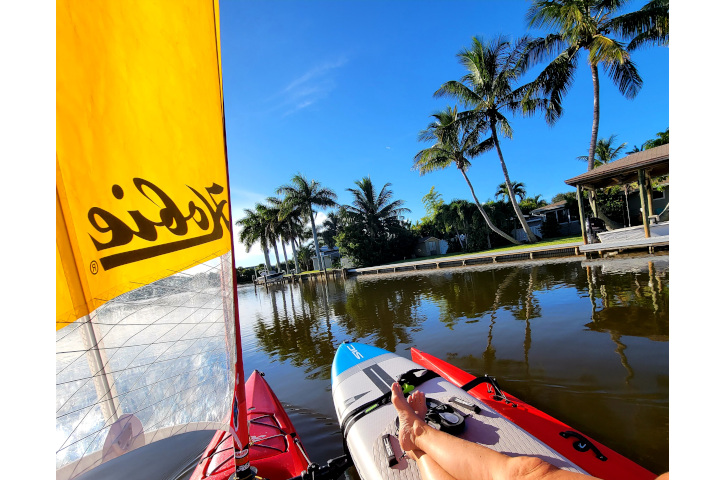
<point>543,243</point>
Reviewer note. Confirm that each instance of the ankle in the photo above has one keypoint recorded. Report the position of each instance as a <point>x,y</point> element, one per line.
<point>419,430</point>
<point>415,454</point>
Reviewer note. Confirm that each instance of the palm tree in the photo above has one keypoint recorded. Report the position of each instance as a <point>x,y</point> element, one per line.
<point>293,230</point>
<point>605,151</point>
<point>332,227</point>
<point>270,215</point>
<point>456,138</point>
<point>465,211</point>
<point>493,68</point>
<point>532,203</point>
<point>636,149</point>
<point>581,25</point>
<point>279,226</point>
<point>663,138</point>
<point>449,217</point>
<point>586,25</point>
<point>518,188</point>
<point>254,229</point>
<point>376,212</point>
<point>303,195</point>
<point>649,25</point>
<point>305,255</point>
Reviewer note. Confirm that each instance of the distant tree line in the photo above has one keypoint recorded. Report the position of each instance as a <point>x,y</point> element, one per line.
<point>370,231</point>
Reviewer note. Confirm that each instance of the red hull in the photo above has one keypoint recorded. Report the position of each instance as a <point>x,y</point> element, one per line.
<point>275,451</point>
<point>542,426</point>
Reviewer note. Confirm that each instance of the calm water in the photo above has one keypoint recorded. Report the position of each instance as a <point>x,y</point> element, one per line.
<point>587,342</point>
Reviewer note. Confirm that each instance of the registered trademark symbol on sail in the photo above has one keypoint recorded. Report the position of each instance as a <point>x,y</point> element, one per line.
<point>94,267</point>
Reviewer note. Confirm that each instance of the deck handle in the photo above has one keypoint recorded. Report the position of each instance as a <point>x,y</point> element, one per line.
<point>583,444</point>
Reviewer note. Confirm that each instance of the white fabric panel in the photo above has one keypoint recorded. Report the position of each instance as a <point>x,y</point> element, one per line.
<point>148,364</point>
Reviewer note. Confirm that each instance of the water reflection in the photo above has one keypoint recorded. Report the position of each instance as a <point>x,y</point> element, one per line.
<point>584,341</point>
<point>629,299</point>
<point>641,311</point>
<point>300,333</point>
<point>379,313</point>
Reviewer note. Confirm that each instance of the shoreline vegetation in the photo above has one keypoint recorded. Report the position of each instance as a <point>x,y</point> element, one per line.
<point>543,243</point>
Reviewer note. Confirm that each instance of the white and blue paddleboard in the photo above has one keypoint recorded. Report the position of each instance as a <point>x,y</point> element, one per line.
<point>362,373</point>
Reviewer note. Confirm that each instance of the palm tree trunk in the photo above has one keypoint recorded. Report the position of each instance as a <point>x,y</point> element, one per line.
<point>286,262</point>
<point>266,256</point>
<point>276,255</point>
<point>468,233</point>
<point>294,254</point>
<point>608,222</point>
<point>314,238</point>
<point>595,133</point>
<point>595,123</point>
<point>517,209</point>
<point>485,217</point>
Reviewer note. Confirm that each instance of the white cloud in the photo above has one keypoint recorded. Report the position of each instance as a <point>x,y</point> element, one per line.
<point>310,87</point>
<point>300,84</point>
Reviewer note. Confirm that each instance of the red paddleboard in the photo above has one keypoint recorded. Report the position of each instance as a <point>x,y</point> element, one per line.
<point>542,426</point>
<point>275,451</point>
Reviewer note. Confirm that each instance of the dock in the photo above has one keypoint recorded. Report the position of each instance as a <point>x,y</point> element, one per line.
<point>573,249</point>
<point>650,245</point>
<point>302,277</point>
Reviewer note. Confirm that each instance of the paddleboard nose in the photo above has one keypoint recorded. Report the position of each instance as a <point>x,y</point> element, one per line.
<point>350,354</point>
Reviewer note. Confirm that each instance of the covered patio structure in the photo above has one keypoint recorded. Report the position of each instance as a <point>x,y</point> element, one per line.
<point>638,167</point>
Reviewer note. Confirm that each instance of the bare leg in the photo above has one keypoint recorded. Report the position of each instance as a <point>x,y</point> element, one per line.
<point>466,460</point>
<point>428,468</point>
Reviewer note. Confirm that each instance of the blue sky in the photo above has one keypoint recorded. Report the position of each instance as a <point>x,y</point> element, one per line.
<point>338,90</point>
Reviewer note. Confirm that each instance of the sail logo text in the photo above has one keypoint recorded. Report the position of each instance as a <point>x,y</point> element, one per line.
<point>207,214</point>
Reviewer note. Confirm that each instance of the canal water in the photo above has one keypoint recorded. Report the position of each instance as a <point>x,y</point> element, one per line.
<point>584,341</point>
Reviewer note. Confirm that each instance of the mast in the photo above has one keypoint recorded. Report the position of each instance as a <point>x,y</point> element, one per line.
<point>238,421</point>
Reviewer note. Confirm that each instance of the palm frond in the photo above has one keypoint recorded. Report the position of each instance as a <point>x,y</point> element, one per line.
<point>625,76</point>
<point>457,90</point>
<point>482,147</point>
<point>432,159</point>
<point>555,80</point>
<point>649,25</point>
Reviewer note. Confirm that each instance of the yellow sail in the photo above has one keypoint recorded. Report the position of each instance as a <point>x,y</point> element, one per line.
<point>146,331</point>
<point>140,166</point>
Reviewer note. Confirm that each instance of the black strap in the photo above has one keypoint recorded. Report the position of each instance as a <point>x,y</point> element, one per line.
<point>498,393</point>
<point>435,415</point>
<point>411,377</point>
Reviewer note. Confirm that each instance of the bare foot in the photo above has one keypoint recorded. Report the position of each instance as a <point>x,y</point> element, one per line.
<point>411,425</point>
<point>417,402</point>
